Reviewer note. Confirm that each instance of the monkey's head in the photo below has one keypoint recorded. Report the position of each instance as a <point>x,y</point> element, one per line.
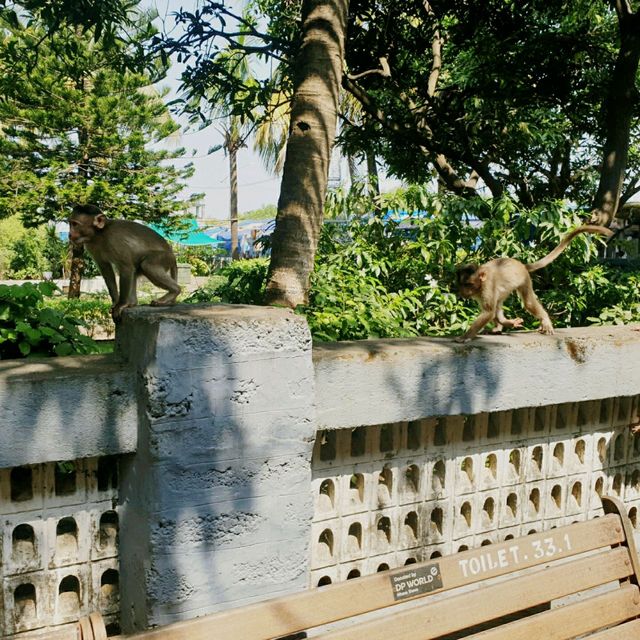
<point>470,279</point>
<point>85,221</point>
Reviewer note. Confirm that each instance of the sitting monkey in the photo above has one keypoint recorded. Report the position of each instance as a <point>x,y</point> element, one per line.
<point>493,282</point>
<point>132,248</point>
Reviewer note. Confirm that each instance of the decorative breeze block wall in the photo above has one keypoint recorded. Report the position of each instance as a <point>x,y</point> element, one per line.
<point>394,494</point>
<point>58,546</point>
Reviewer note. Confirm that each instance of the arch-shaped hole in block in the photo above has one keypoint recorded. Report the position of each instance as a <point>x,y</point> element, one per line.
<point>599,486</point>
<point>580,450</point>
<point>67,536</point>
<point>556,495</point>
<point>435,554</point>
<point>602,450</point>
<point>437,519</point>
<point>618,448</point>
<point>489,508</point>
<point>383,527</point>
<point>633,517</point>
<point>465,512</point>
<point>576,492</point>
<point>385,484</point>
<point>386,438</point>
<point>358,442</point>
<point>326,495</point>
<point>410,560</point>
<point>113,629</point>
<point>537,457</point>
<point>354,537</point>
<point>486,542</point>
<point>412,476</point>
<point>411,526</point>
<point>491,465</point>
<point>635,479</point>
<point>469,429</point>
<point>438,476</point>
<point>440,433</point>
<point>414,435</point>
<point>558,454</point>
<point>356,487</point>
<point>515,461</point>
<point>617,484</point>
<point>325,544</point>
<point>327,445</point>
<point>467,468</point>
<point>534,499</point>
<point>462,547</point>
<point>509,536</point>
<point>109,587</point>
<point>109,528</point>
<point>23,543</point>
<point>25,606</point>
<point>354,573</point>
<point>382,567</point>
<point>324,581</point>
<point>65,478</point>
<point>107,473</point>
<point>512,504</point>
<point>69,595</point>
<point>21,480</point>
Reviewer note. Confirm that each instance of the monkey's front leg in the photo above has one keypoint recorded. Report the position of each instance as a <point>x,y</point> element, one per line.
<point>127,296</point>
<point>106,270</point>
<point>481,321</point>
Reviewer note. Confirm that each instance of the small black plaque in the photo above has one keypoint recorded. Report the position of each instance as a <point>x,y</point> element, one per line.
<point>414,582</point>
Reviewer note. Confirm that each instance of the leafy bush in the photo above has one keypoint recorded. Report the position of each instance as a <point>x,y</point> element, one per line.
<point>92,311</point>
<point>239,282</point>
<point>381,277</point>
<point>29,327</point>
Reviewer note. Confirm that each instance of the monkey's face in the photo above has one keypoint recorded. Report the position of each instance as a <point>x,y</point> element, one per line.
<point>83,227</point>
<point>469,280</point>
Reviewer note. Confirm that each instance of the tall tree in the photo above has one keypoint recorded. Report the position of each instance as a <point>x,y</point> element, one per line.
<point>77,130</point>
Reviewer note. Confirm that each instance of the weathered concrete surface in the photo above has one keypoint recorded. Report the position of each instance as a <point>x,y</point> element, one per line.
<point>216,503</point>
<point>65,408</point>
<point>380,381</point>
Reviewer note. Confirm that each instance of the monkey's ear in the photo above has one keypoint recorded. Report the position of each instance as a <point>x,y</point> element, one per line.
<point>99,221</point>
<point>482,275</point>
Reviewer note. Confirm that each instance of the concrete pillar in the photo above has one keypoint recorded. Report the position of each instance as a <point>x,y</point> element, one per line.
<point>216,506</point>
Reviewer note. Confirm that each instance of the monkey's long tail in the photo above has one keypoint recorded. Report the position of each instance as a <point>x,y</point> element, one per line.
<point>564,243</point>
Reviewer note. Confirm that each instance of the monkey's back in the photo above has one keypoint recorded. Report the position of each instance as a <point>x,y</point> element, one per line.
<point>507,275</point>
<point>126,243</point>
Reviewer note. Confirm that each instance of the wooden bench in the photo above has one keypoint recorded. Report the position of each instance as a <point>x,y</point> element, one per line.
<point>505,591</point>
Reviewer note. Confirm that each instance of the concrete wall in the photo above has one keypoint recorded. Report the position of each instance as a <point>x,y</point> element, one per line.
<point>222,406</point>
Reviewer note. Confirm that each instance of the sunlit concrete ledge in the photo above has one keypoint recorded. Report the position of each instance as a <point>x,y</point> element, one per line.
<point>65,408</point>
<point>381,381</point>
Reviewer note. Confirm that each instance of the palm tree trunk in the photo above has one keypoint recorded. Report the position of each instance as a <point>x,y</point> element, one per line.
<point>306,170</point>
<point>372,170</point>
<point>233,202</point>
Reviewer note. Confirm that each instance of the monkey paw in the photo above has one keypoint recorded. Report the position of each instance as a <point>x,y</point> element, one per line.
<point>517,323</point>
<point>461,339</point>
<point>547,330</point>
<point>117,309</point>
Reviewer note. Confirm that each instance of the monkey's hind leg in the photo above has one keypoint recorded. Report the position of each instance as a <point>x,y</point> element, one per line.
<point>502,321</point>
<point>161,270</point>
<point>533,306</point>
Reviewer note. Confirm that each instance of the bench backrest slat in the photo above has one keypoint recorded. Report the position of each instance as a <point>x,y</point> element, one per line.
<point>314,607</point>
<point>627,631</point>
<point>502,598</point>
<point>572,620</point>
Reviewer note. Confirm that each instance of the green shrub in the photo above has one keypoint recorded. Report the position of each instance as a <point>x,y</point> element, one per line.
<point>375,277</point>
<point>239,282</point>
<point>92,311</point>
<point>29,328</point>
